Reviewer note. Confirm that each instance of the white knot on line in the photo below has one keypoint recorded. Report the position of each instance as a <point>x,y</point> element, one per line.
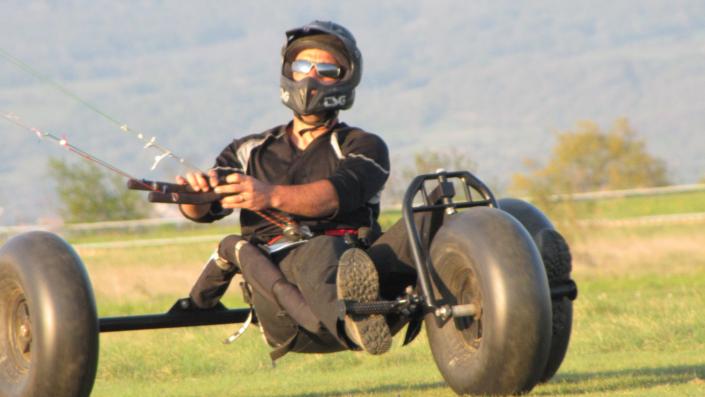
<point>158,159</point>
<point>151,142</point>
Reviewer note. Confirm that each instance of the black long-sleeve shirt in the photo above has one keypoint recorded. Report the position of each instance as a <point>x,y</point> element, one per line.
<point>354,161</point>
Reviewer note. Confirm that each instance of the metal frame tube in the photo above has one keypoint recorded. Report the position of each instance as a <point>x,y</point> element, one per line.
<point>173,320</point>
<point>422,261</point>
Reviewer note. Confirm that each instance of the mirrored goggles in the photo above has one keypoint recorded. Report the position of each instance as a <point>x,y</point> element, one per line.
<point>322,69</point>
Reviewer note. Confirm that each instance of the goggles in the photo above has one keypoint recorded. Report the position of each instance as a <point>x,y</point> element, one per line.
<point>322,69</point>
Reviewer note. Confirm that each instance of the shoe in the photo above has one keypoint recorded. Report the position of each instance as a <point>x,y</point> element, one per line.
<point>357,280</point>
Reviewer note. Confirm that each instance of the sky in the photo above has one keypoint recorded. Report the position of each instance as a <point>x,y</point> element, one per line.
<point>494,79</point>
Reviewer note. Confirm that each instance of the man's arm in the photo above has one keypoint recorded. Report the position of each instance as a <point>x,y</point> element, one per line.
<point>315,199</point>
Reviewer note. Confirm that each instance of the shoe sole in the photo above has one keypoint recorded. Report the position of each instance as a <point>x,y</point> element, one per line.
<point>357,280</point>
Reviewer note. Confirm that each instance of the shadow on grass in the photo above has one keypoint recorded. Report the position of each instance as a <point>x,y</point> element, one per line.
<point>400,388</point>
<point>591,382</point>
<point>567,383</point>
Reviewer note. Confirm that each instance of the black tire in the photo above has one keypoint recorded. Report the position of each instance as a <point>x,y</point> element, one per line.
<point>485,257</point>
<point>48,321</point>
<point>557,261</point>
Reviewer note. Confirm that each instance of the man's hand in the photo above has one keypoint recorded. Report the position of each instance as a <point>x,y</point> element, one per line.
<point>245,192</point>
<point>199,182</point>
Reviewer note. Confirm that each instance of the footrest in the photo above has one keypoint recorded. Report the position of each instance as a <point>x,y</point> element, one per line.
<point>402,306</point>
<point>367,308</point>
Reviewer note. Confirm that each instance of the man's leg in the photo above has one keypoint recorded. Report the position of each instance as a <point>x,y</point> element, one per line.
<point>235,253</point>
<point>392,253</point>
<point>215,278</point>
<point>313,267</point>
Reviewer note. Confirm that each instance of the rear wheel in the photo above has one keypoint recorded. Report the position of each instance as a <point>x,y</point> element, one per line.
<point>485,257</point>
<point>557,261</point>
<point>48,321</point>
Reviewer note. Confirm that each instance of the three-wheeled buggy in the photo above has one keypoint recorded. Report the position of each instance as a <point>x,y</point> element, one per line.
<point>493,290</point>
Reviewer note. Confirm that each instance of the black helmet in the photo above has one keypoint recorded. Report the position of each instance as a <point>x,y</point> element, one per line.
<point>326,98</point>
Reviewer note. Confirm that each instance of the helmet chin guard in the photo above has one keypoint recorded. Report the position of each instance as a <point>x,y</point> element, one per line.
<point>310,96</point>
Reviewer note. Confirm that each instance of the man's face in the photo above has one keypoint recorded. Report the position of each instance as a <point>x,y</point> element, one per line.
<point>316,56</point>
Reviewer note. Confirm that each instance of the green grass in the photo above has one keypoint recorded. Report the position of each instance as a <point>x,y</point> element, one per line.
<point>629,207</point>
<point>634,335</point>
<point>639,330</point>
<point>151,232</point>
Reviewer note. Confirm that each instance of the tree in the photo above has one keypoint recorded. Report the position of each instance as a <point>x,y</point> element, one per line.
<point>588,159</point>
<point>89,194</point>
<point>429,161</point>
<point>426,161</point>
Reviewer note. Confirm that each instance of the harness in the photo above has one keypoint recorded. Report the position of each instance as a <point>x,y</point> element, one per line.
<point>284,242</point>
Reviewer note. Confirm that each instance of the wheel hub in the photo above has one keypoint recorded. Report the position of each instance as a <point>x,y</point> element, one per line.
<point>467,291</point>
<point>20,332</point>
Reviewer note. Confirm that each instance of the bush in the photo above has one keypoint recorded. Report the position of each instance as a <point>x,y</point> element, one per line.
<point>588,159</point>
<point>89,194</point>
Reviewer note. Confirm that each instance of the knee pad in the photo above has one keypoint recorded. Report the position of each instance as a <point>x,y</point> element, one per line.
<point>229,249</point>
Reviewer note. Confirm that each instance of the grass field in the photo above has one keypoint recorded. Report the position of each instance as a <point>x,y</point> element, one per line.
<point>639,329</point>
<point>629,207</point>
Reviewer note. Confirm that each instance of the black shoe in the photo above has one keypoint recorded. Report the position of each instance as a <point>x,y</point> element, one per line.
<point>357,280</point>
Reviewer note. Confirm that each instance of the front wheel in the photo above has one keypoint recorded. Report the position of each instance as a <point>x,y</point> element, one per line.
<point>484,257</point>
<point>48,320</point>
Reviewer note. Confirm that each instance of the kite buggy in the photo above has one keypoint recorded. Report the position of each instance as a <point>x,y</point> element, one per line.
<point>493,291</point>
<point>489,279</point>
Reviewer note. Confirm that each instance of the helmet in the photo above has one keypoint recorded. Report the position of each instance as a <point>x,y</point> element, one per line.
<point>309,96</point>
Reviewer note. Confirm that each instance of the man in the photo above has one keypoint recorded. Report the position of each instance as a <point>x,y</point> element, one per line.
<point>313,174</point>
<point>307,190</point>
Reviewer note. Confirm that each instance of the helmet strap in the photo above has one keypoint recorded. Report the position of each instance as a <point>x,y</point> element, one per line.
<point>327,119</point>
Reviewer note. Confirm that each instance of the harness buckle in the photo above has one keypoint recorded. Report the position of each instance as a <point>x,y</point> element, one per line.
<point>294,231</point>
